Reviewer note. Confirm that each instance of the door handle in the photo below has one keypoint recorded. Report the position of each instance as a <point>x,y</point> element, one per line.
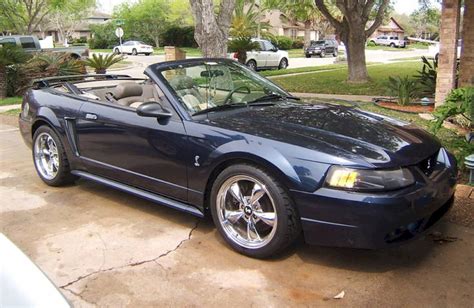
<point>91,116</point>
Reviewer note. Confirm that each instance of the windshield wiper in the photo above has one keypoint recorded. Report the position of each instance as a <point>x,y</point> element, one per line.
<point>272,96</point>
<point>220,108</point>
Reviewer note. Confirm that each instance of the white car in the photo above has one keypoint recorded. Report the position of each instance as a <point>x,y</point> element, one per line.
<point>267,57</point>
<point>134,48</point>
<point>392,41</point>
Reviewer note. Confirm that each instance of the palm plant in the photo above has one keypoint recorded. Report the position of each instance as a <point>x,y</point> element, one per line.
<point>57,64</point>
<point>9,55</point>
<point>404,88</point>
<point>101,63</point>
<point>246,20</point>
<point>241,45</point>
<point>427,76</point>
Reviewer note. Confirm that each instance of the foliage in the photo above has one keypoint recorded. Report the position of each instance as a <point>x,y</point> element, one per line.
<point>298,43</point>
<point>284,42</point>
<point>371,44</point>
<point>26,16</point>
<point>246,20</point>
<point>269,36</point>
<point>404,88</point>
<point>42,66</point>
<point>459,102</point>
<point>11,101</point>
<point>10,56</point>
<point>103,36</point>
<point>241,45</point>
<point>179,36</point>
<point>102,62</point>
<point>427,76</point>
<point>146,20</point>
<point>426,20</point>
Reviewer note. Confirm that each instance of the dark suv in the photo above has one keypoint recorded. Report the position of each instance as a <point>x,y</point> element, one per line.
<point>322,48</point>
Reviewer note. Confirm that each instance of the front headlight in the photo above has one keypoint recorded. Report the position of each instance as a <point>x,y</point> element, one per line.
<point>368,180</point>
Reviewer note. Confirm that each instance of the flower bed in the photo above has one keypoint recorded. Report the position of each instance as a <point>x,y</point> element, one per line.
<point>412,108</point>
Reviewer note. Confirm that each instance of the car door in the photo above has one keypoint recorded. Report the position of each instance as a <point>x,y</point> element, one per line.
<point>116,143</point>
<point>126,47</point>
<point>272,56</point>
<point>261,55</point>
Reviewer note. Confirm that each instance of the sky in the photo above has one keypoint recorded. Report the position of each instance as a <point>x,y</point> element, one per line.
<point>401,6</point>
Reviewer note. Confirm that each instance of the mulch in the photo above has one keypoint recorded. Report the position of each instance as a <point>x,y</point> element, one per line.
<point>414,108</point>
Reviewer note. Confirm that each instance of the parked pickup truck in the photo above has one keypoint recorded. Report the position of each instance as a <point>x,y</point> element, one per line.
<point>30,43</point>
<point>392,41</point>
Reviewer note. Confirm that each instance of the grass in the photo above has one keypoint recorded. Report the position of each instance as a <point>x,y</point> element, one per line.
<point>334,82</point>
<point>12,112</point>
<point>11,101</point>
<point>301,70</point>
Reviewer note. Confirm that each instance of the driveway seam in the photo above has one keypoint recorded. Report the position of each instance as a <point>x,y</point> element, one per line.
<point>65,286</point>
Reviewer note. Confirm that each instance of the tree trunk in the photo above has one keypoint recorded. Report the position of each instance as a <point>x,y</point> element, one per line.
<point>307,33</point>
<point>3,82</point>
<point>355,52</point>
<point>211,31</point>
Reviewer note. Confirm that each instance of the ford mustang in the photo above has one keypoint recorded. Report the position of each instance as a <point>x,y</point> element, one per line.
<point>211,137</point>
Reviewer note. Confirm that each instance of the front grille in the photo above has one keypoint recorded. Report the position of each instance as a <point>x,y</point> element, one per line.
<point>427,165</point>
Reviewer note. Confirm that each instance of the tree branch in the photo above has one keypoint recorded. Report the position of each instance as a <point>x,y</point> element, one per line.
<point>378,19</point>
<point>324,10</point>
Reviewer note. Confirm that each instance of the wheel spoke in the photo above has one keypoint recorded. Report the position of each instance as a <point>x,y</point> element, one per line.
<point>253,228</point>
<point>266,217</point>
<point>236,193</point>
<point>257,194</point>
<point>233,216</point>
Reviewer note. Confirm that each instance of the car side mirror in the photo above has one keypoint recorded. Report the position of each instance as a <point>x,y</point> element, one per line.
<point>153,110</point>
<point>275,49</point>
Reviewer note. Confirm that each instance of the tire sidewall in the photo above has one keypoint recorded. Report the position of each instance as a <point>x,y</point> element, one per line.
<point>279,240</point>
<point>63,170</point>
<point>252,65</point>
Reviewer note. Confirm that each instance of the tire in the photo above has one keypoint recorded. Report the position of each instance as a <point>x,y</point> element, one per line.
<point>392,45</point>
<point>283,64</point>
<point>134,52</point>
<point>116,51</point>
<point>251,64</point>
<point>62,175</point>
<point>147,54</point>
<point>277,217</point>
<point>308,56</point>
<point>334,54</point>
<point>322,54</point>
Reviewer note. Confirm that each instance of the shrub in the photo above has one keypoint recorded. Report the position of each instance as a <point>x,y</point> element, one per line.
<point>458,102</point>
<point>427,76</point>
<point>404,88</point>
<point>298,43</point>
<point>371,44</point>
<point>103,36</point>
<point>101,63</point>
<point>179,36</point>
<point>284,42</point>
<point>241,45</point>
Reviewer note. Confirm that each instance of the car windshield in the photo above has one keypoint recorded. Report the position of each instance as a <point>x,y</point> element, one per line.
<point>208,86</point>
<point>316,43</point>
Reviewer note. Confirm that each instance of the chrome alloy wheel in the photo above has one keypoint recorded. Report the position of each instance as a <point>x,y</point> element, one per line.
<point>246,211</point>
<point>46,156</point>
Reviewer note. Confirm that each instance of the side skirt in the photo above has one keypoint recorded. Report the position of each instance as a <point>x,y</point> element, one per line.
<point>141,193</point>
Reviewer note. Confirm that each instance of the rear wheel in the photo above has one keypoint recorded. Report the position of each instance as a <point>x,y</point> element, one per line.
<point>308,56</point>
<point>147,54</point>
<point>322,54</point>
<point>116,51</point>
<point>134,52</point>
<point>50,158</point>
<point>253,212</point>
<point>251,64</point>
<point>392,45</point>
<point>283,64</point>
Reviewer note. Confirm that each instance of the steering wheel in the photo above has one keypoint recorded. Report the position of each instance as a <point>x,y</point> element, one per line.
<point>229,96</point>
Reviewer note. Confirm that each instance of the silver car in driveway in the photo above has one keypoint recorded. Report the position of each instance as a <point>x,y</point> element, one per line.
<point>268,56</point>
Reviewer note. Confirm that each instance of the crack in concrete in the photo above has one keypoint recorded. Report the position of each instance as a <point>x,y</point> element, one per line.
<point>79,295</point>
<point>65,286</point>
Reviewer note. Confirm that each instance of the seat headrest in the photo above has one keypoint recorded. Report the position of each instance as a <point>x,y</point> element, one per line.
<point>182,83</point>
<point>127,89</point>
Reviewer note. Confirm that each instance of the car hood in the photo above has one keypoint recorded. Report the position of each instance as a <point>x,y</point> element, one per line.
<point>339,131</point>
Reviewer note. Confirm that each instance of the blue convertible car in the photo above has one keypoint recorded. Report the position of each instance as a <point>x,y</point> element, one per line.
<point>210,137</point>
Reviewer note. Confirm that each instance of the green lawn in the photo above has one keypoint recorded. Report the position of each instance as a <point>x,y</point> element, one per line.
<point>10,101</point>
<point>12,112</point>
<point>302,70</point>
<point>334,82</point>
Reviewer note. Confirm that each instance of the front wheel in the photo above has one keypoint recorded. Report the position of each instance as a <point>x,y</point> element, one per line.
<point>116,51</point>
<point>253,212</point>
<point>283,64</point>
<point>322,54</point>
<point>252,65</point>
<point>134,52</point>
<point>50,158</point>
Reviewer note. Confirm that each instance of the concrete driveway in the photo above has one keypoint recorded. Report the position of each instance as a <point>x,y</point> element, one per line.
<point>106,248</point>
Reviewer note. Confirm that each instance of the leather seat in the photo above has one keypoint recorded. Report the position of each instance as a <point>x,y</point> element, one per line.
<point>187,90</point>
<point>128,93</point>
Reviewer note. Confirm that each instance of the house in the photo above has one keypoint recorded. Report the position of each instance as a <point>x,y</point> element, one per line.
<point>81,30</point>
<point>280,24</point>
<point>392,28</point>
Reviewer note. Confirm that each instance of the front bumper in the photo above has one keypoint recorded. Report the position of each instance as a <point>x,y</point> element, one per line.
<point>313,52</point>
<point>333,217</point>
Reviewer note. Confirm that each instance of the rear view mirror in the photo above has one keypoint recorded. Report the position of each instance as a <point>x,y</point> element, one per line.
<point>153,110</point>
